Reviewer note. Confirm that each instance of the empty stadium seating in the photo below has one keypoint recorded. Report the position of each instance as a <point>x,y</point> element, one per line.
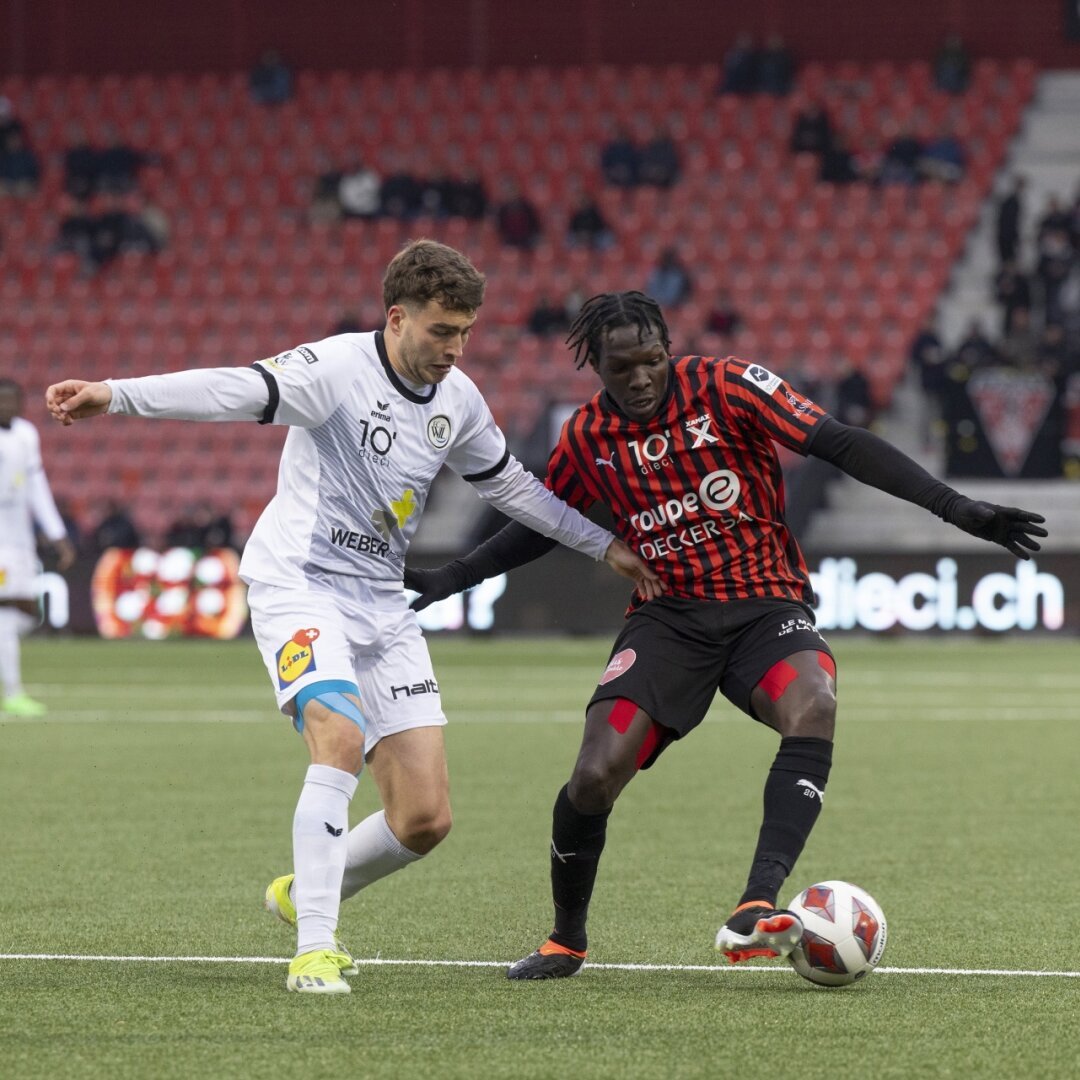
<point>818,271</point>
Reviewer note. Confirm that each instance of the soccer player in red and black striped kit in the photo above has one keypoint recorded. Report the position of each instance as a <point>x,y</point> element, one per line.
<point>681,450</point>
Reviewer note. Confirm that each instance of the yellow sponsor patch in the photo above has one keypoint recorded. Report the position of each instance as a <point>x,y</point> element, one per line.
<point>296,657</point>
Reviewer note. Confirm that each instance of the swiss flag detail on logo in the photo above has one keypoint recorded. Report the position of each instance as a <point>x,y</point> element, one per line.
<point>620,663</point>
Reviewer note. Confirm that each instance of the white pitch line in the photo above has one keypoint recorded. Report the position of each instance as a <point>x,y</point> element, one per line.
<point>377,961</point>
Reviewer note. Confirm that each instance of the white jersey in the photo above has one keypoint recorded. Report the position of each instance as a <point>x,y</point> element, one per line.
<point>25,498</point>
<point>359,461</point>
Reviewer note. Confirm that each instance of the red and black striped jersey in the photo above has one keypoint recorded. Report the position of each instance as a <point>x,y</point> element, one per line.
<point>697,490</point>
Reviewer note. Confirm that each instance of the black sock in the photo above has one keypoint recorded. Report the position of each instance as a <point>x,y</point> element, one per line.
<point>794,789</point>
<point>576,843</point>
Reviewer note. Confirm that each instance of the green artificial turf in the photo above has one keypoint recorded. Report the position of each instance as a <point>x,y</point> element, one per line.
<point>145,815</point>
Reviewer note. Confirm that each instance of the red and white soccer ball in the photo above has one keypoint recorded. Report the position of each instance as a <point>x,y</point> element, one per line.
<point>844,933</point>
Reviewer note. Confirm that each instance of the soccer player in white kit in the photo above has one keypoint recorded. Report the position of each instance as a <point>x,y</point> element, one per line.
<point>372,417</point>
<point>25,501</point>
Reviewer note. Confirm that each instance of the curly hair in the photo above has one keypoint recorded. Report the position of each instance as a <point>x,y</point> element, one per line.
<point>604,312</point>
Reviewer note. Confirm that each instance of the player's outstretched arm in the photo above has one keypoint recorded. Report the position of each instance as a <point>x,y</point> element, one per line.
<point>872,460</point>
<point>77,399</point>
<point>513,546</point>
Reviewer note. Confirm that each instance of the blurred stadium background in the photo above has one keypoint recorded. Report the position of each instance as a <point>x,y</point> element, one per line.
<point>234,204</point>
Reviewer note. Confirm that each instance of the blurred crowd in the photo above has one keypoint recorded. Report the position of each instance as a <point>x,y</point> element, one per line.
<point>200,526</point>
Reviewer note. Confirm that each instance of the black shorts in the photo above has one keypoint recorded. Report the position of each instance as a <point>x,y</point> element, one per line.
<point>674,654</point>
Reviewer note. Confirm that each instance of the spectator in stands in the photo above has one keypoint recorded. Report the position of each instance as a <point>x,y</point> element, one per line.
<point>775,67</point>
<point>548,318</point>
<point>740,67</point>
<point>811,133</point>
<point>929,360</point>
<point>1009,221</point>
<point>466,196</point>
<point>20,171</point>
<point>854,405</point>
<point>723,319</point>
<point>587,227</point>
<point>9,122</point>
<point>943,158</point>
<point>838,163</point>
<point>270,80</point>
<point>76,235</point>
<point>217,528</point>
<point>516,219</point>
<point>399,195</point>
<point>358,191</point>
<point>80,164</point>
<point>952,66</point>
<point>901,161</point>
<point>1012,290</point>
<point>432,191</point>
<point>1018,347</point>
<point>325,204</point>
<point>118,165</point>
<point>620,161</point>
<point>1052,353</point>
<point>659,161</point>
<point>187,530</point>
<point>1056,256</point>
<point>115,530</point>
<point>974,351</point>
<point>1055,218</point>
<point>669,281</point>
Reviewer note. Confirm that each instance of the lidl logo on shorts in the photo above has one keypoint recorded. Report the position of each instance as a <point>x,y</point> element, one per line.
<point>296,657</point>
<point>619,664</point>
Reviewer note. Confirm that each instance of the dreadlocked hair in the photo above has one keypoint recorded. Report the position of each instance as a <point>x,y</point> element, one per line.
<point>606,311</point>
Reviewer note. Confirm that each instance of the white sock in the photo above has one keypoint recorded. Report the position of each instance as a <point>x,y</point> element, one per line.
<point>320,838</point>
<point>10,674</point>
<point>373,852</point>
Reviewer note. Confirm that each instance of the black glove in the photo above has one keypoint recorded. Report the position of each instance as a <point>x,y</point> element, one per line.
<point>437,584</point>
<point>1008,526</point>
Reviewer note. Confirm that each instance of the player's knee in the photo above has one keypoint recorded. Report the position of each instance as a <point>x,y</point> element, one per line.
<point>812,713</point>
<point>424,828</point>
<point>594,786</point>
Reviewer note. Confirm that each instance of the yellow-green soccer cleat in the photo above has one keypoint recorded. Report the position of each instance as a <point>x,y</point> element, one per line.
<point>317,972</point>
<point>22,705</point>
<point>278,902</point>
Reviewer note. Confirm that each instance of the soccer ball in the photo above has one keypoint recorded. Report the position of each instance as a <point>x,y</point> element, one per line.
<point>844,933</point>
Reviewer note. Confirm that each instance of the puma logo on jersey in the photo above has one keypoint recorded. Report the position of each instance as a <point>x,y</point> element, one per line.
<point>608,461</point>
<point>811,790</point>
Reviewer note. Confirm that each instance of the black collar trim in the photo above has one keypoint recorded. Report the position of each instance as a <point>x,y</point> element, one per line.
<point>392,375</point>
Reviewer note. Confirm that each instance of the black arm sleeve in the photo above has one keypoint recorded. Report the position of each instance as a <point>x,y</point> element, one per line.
<point>515,545</point>
<point>873,461</point>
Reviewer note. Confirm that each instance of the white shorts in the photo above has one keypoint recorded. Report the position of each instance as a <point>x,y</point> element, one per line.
<point>18,574</point>
<point>310,637</point>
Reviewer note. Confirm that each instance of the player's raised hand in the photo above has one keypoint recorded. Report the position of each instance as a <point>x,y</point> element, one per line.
<point>1008,526</point>
<point>77,399</point>
<point>628,563</point>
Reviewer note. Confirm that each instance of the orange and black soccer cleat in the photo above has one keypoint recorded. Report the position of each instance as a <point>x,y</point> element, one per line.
<point>757,928</point>
<point>550,961</point>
